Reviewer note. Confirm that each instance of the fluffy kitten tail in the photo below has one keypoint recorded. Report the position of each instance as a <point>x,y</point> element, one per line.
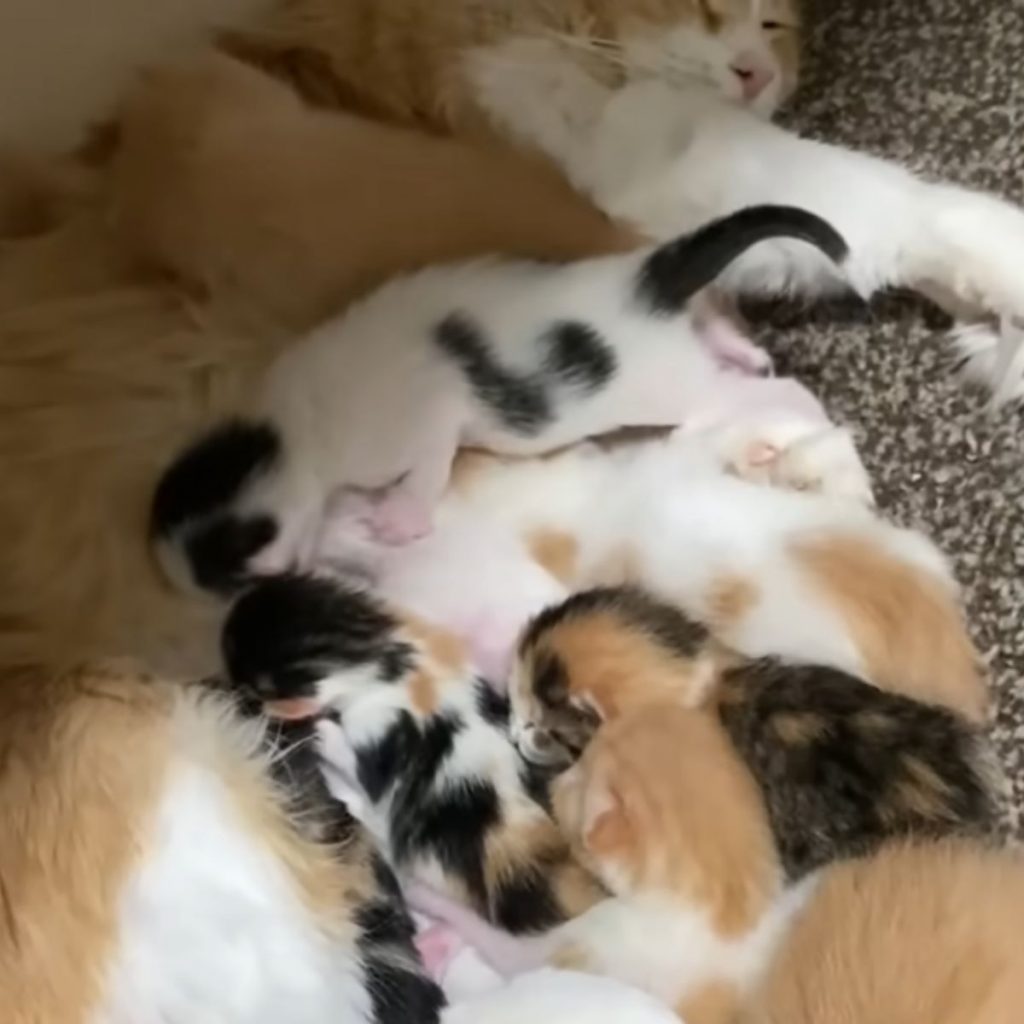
<point>200,538</point>
<point>676,271</point>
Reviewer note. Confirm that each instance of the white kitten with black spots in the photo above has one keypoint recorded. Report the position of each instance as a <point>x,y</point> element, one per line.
<point>665,152</point>
<point>519,358</point>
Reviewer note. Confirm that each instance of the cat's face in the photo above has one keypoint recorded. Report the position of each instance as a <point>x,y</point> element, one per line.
<point>749,49</point>
<point>594,656</point>
<point>661,803</point>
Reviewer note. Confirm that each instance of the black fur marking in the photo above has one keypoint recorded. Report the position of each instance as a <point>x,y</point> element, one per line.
<point>845,766</point>
<point>494,707</point>
<point>379,764</point>
<point>676,271</point>
<point>288,632</point>
<point>219,550</point>
<point>520,401</point>
<point>209,475</point>
<point>579,356</point>
<point>526,903</point>
<point>452,824</point>
<point>400,995</point>
<point>537,783</point>
<point>661,622</point>
<point>551,679</point>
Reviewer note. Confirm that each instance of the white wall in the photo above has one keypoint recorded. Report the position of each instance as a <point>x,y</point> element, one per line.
<point>62,62</point>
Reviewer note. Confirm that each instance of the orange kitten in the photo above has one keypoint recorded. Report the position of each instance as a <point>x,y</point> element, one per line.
<point>662,809</point>
<point>404,59</point>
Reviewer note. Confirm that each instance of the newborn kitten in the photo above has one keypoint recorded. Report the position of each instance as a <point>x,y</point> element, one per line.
<point>842,765</point>
<point>670,818</point>
<point>502,550</point>
<point>520,358</point>
<point>168,858</point>
<point>422,741</point>
<point>808,577</point>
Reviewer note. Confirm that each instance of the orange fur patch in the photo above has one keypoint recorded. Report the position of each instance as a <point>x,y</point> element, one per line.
<point>714,1003</point>
<point>905,622</point>
<point>555,551</point>
<point>679,814</point>
<point>917,932</point>
<point>617,667</point>
<point>728,600</point>
<point>84,760</point>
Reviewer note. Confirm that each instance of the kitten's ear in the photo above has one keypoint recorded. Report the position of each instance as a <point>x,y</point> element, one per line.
<point>604,824</point>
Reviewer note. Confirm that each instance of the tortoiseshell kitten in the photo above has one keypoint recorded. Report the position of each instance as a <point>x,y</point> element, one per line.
<point>421,740</point>
<point>843,765</point>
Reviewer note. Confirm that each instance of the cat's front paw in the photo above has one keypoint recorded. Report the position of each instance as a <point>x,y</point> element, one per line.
<point>400,518</point>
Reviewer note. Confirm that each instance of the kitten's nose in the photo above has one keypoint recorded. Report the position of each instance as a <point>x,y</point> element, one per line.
<point>754,76</point>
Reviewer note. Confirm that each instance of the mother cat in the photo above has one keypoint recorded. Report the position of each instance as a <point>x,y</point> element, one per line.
<point>639,107</point>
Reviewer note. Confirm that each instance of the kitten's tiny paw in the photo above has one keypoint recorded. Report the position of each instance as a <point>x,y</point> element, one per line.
<point>799,458</point>
<point>400,519</point>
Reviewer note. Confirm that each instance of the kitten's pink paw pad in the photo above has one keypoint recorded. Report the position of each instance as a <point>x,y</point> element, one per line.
<point>399,520</point>
<point>438,946</point>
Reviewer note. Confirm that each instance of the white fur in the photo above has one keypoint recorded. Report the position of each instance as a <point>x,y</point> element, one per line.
<point>368,399</point>
<point>652,940</point>
<point>211,928</point>
<point>687,520</point>
<point>668,156</point>
<point>560,997</point>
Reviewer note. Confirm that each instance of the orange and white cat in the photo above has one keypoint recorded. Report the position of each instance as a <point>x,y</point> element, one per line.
<point>404,59</point>
<point>665,812</point>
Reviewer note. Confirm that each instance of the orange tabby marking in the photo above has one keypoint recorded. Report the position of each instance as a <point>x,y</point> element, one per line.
<point>918,932</point>
<point>555,551</point>
<point>676,811</point>
<point>84,759</point>
<point>906,624</point>
<point>728,600</point>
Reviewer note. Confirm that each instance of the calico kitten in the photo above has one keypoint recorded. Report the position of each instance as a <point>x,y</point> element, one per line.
<point>166,857</point>
<point>514,357</point>
<point>664,154</point>
<point>422,741</point>
<point>843,765</point>
<point>404,59</point>
<point>670,817</point>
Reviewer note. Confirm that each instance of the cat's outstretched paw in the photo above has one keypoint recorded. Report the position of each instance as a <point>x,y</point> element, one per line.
<point>992,356</point>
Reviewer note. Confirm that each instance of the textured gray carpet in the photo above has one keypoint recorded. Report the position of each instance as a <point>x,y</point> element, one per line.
<point>938,85</point>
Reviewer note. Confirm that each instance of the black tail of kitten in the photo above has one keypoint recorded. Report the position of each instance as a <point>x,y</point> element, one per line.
<point>845,766</point>
<point>676,271</point>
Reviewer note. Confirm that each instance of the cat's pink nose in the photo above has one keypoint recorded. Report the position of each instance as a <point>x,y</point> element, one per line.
<point>753,74</point>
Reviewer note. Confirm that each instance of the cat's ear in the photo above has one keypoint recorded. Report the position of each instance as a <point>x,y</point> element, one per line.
<point>604,826</point>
